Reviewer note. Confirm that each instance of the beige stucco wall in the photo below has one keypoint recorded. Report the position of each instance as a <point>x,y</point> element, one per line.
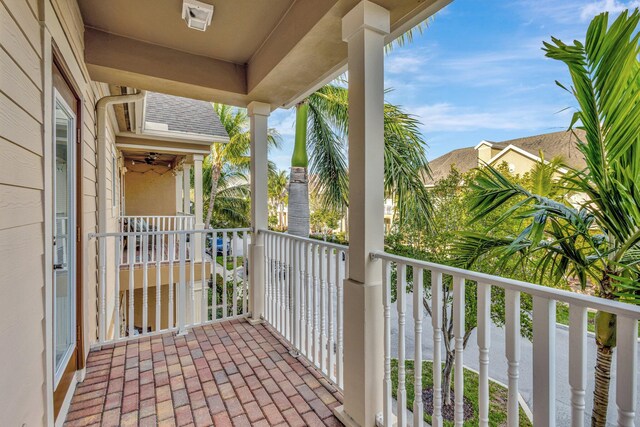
<point>149,190</point>
<point>521,164</point>
<point>28,29</point>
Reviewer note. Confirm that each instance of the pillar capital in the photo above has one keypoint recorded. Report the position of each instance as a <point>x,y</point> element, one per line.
<point>198,158</point>
<point>256,108</point>
<point>366,15</point>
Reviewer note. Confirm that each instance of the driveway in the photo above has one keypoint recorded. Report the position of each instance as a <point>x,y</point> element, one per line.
<point>498,364</point>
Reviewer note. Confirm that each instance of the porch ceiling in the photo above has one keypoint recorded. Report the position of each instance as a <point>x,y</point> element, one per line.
<point>270,51</point>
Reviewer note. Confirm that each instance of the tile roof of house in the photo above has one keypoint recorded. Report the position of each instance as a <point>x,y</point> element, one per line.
<point>563,144</point>
<point>183,115</point>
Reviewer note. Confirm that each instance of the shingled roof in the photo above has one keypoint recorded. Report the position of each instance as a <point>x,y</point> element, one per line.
<point>563,144</point>
<point>176,114</point>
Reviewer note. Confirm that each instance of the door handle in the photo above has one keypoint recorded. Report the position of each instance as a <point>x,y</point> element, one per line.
<point>58,266</point>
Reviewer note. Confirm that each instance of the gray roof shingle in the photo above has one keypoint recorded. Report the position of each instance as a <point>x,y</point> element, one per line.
<point>184,115</point>
<point>562,144</point>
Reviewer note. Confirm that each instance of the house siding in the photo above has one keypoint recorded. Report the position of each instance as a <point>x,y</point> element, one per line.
<point>27,29</point>
<point>22,397</point>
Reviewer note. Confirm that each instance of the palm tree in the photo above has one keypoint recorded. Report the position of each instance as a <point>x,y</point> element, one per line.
<point>599,241</point>
<point>277,191</point>
<point>320,149</point>
<point>231,158</point>
<point>232,196</point>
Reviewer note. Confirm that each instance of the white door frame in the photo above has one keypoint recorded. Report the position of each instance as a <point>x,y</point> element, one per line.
<point>71,230</point>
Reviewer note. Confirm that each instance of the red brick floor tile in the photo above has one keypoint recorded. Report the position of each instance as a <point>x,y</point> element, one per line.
<point>222,420</point>
<point>225,374</point>
<point>184,415</point>
<point>273,414</point>
<point>292,418</point>
<point>254,413</point>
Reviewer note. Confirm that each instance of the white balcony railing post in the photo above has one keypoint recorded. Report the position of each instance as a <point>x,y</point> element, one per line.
<point>436,322</point>
<point>484,342</point>
<point>458,333</point>
<point>401,306</point>
<point>544,361</point>
<point>387,383</point>
<point>102,243</point>
<point>418,280</point>
<point>627,366</point>
<point>512,349</point>
<point>577,362</point>
<point>182,285</point>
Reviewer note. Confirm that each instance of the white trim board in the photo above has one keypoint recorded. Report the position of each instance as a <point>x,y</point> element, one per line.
<point>157,149</point>
<point>525,153</point>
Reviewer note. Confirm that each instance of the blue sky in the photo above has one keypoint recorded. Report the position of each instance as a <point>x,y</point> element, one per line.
<point>478,72</point>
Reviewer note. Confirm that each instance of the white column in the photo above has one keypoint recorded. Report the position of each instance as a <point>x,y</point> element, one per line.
<point>186,188</point>
<point>258,116</point>
<point>364,29</point>
<point>197,204</point>
<point>179,185</point>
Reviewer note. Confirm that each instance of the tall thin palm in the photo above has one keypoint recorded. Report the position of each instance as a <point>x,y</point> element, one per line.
<point>599,242</point>
<point>233,155</point>
<point>323,116</point>
<point>277,189</point>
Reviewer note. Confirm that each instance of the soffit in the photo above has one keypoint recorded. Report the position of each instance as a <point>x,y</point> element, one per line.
<point>272,51</point>
<point>237,30</point>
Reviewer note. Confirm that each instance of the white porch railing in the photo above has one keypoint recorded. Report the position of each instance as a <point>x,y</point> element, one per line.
<point>410,271</point>
<point>152,223</point>
<point>189,285</point>
<point>303,297</point>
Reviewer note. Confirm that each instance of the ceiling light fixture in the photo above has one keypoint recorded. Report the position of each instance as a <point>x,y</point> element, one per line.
<point>197,14</point>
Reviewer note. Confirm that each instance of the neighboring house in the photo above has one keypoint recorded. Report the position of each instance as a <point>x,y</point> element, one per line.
<point>88,333</point>
<point>520,155</point>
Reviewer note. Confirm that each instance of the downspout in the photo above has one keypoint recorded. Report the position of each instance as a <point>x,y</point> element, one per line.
<point>101,149</point>
<point>101,202</point>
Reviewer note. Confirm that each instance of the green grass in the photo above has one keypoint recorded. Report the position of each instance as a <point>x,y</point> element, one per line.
<point>562,317</point>
<point>497,394</point>
<point>239,261</point>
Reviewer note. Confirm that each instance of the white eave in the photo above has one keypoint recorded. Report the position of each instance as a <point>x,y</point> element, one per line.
<point>522,152</point>
<point>481,143</point>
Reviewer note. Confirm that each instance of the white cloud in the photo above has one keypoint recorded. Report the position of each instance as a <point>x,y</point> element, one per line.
<point>410,61</point>
<point>572,12</point>
<point>611,6</point>
<point>445,117</point>
<point>284,122</point>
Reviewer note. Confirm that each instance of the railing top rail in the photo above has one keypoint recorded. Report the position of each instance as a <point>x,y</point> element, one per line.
<point>615,307</point>
<point>179,214</point>
<point>156,233</point>
<point>305,239</point>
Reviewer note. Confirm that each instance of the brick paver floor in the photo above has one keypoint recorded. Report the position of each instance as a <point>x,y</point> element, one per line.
<point>224,374</point>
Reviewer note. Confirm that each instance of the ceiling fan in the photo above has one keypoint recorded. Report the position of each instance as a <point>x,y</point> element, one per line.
<point>152,159</point>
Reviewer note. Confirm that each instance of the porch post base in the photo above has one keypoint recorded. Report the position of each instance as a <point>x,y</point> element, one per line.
<point>344,418</point>
<point>254,322</point>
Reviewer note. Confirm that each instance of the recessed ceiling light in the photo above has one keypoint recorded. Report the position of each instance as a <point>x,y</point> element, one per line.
<point>197,14</point>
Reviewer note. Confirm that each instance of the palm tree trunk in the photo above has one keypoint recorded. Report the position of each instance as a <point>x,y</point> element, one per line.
<point>601,391</point>
<point>298,182</point>
<point>215,177</point>
<point>299,202</point>
<point>605,331</point>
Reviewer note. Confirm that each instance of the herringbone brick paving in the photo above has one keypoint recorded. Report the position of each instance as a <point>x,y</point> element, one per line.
<point>223,374</point>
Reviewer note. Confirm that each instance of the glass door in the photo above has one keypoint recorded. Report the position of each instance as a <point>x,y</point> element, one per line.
<point>64,268</point>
